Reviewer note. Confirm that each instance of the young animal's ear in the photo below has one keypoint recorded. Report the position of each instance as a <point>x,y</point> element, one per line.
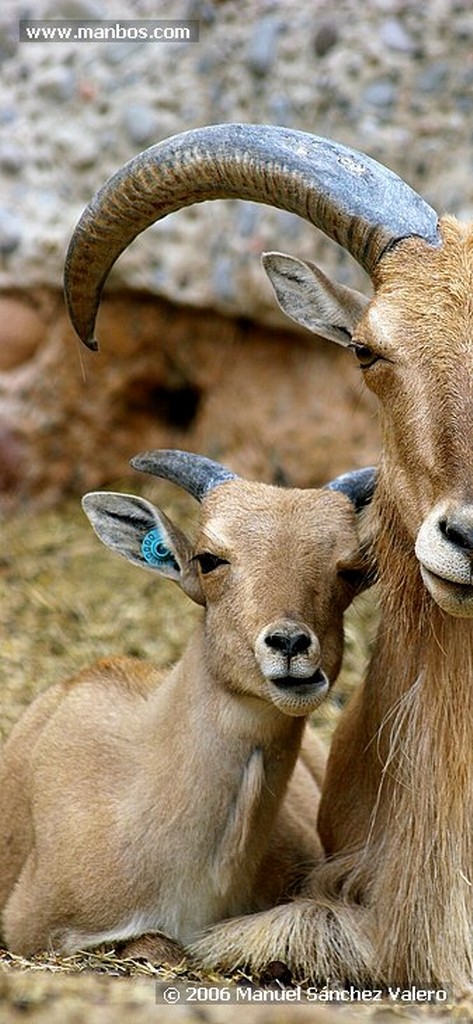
<point>359,570</point>
<point>307,296</point>
<point>144,535</point>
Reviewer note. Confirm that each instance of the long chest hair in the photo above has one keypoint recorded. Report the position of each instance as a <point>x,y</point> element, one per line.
<point>421,828</point>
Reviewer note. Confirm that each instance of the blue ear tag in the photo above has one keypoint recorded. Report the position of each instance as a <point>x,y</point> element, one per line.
<point>155,551</point>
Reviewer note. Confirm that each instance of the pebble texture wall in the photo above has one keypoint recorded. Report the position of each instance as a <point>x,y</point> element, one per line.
<point>392,77</point>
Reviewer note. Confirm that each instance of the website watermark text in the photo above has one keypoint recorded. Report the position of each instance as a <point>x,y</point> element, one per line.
<point>72,31</point>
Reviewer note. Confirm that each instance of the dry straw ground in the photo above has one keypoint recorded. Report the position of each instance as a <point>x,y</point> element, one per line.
<point>66,601</point>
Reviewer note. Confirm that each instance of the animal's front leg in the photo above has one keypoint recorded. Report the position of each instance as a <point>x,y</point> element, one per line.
<point>319,939</point>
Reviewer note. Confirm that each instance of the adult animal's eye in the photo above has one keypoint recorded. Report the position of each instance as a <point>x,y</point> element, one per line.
<point>209,562</point>
<point>365,355</point>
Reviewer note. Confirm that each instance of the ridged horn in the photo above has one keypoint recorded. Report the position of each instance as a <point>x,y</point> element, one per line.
<point>351,197</point>
<point>194,473</point>
<point>358,485</point>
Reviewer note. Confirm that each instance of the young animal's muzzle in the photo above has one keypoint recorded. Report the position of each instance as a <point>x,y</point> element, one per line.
<point>289,656</point>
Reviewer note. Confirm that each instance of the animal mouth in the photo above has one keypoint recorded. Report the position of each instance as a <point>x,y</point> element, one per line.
<point>463,589</point>
<point>454,596</point>
<point>301,686</point>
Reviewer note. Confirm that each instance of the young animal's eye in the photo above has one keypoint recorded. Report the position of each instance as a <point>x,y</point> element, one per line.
<point>209,562</point>
<point>365,355</point>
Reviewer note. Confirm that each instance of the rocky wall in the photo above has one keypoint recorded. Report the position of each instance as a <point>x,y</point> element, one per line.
<point>392,77</point>
<point>272,405</point>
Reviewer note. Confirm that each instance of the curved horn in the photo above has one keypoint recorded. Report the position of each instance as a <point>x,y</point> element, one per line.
<point>352,198</point>
<point>359,486</point>
<point>194,473</point>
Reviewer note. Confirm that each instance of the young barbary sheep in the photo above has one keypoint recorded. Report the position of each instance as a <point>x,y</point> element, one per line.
<point>133,801</point>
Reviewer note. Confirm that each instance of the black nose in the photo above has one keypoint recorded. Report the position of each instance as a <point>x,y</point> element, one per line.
<point>288,645</point>
<point>458,531</point>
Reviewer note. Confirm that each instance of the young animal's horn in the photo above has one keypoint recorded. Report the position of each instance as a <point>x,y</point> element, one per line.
<point>359,485</point>
<point>352,198</point>
<point>194,473</point>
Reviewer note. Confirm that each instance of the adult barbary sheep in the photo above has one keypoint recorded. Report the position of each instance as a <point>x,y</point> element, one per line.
<point>397,812</point>
<point>133,802</point>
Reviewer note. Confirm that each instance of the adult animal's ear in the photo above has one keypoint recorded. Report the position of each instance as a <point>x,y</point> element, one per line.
<point>145,536</point>
<point>307,296</point>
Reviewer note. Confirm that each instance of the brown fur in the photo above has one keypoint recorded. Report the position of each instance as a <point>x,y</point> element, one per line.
<point>397,809</point>
<point>133,802</point>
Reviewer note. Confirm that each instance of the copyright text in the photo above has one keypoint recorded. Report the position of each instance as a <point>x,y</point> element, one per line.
<point>180,993</point>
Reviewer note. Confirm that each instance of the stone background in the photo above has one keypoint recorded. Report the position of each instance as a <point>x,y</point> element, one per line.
<point>391,77</point>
